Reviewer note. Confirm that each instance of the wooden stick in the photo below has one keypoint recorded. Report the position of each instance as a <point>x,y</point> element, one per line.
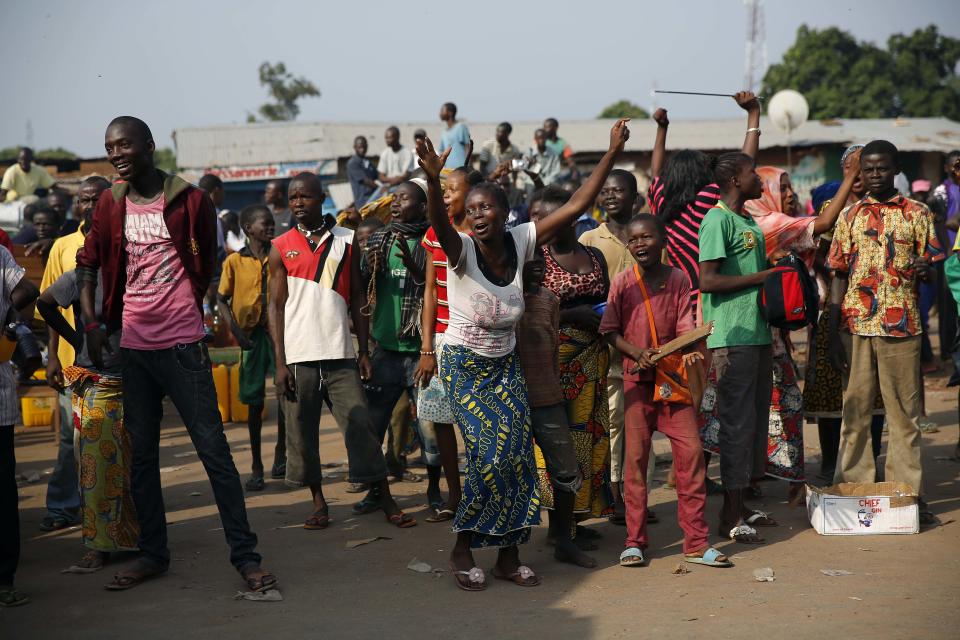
<point>680,342</point>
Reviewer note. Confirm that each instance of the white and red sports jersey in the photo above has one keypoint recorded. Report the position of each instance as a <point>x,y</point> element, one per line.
<point>316,322</point>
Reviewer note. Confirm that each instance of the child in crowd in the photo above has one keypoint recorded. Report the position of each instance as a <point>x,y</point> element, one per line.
<point>538,342</point>
<point>659,295</point>
<point>365,229</point>
<point>733,265</point>
<point>242,299</point>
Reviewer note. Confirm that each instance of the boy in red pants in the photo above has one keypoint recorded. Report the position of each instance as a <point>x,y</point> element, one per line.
<point>660,292</point>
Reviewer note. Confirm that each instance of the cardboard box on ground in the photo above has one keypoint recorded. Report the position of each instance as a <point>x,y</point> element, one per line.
<point>863,508</point>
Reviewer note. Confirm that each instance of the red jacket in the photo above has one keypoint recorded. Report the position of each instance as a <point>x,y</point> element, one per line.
<point>192,221</point>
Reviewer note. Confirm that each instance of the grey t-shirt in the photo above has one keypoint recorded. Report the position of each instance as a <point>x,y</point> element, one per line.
<point>66,291</point>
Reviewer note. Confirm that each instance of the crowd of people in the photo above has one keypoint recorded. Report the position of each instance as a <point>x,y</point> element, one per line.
<point>498,294</point>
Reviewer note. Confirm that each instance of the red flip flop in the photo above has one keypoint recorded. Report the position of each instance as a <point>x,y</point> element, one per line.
<point>401,520</point>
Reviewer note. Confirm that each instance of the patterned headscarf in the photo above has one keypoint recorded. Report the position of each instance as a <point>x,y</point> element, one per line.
<point>781,231</point>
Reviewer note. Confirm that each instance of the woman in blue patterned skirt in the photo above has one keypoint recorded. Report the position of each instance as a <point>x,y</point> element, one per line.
<point>482,373</point>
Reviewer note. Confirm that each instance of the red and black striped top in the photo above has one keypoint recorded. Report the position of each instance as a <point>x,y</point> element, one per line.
<point>683,232</point>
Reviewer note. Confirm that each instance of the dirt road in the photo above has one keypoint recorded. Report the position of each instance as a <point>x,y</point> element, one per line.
<point>901,587</point>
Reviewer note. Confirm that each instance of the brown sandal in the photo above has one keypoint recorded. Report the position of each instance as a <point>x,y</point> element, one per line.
<point>265,582</point>
<point>317,521</point>
<point>442,515</point>
<point>401,520</point>
<point>522,577</point>
<point>136,575</point>
<point>472,580</point>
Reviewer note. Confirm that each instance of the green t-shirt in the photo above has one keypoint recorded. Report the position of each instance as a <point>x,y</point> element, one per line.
<point>386,315</point>
<point>737,242</point>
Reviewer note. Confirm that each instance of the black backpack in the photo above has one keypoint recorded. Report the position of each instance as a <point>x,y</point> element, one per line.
<point>788,298</point>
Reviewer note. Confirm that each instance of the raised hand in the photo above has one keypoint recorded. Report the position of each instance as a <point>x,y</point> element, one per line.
<point>431,163</point>
<point>747,100</point>
<point>619,134</point>
<point>853,164</point>
<point>660,117</point>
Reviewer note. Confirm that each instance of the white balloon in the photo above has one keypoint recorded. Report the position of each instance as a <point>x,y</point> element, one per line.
<point>788,109</point>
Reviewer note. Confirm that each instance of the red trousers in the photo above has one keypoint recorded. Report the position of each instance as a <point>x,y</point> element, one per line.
<point>643,416</point>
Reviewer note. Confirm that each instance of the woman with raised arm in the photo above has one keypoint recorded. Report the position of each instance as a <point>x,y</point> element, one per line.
<point>683,190</point>
<point>481,371</point>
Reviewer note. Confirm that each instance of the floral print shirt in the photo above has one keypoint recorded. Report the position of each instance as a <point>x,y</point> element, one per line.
<point>876,243</point>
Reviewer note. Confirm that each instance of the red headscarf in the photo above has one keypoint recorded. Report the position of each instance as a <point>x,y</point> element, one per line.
<point>781,231</point>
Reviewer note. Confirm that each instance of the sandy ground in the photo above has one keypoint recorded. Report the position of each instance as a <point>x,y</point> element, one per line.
<point>901,587</point>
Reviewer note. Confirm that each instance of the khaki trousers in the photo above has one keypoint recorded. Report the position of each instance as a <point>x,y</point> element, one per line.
<point>893,365</point>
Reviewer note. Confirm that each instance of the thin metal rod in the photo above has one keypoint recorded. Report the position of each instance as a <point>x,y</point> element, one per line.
<point>699,93</point>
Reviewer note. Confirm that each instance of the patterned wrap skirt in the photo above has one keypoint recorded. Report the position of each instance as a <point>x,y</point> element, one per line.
<point>785,426</point>
<point>584,360</point>
<point>104,454</point>
<point>489,399</point>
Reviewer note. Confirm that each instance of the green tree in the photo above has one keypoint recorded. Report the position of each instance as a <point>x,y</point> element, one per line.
<point>624,109</point>
<point>285,90</point>
<point>165,159</point>
<point>843,78</point>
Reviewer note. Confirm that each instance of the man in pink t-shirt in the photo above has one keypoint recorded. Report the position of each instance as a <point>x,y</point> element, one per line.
<point>153,287</point>
<point>159,309</point>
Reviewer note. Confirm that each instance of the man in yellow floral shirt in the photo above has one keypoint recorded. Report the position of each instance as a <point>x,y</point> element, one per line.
<point>882,246</point>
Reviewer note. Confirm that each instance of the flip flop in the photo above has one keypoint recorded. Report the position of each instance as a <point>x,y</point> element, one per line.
<point>123,581</point>
<point>264,583</point>
<point>255,483</point>
<point>401,520</point>
<point>632,557</point>
<point>278,472</point>
<point>522,577</point>
<point>709,559</point>
<point>475,578</point>
<point>442,515</point>
<point>744,534</point>
<point>408,476</point>
<point>760,519</point>
<point>357,487</point>
<point>317,521</point>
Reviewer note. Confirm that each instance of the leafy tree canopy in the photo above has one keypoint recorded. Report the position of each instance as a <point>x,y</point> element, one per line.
<point>916,75</point>
<point>285,91</point>
<point>624,109</point>
<point>165,159</point>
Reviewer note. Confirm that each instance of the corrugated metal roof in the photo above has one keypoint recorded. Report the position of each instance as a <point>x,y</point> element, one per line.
<point>264,143</point>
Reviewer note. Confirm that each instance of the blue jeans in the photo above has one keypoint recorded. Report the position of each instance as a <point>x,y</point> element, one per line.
<point>392,377</point>
<point>63,489</point>
<point>183,373</point>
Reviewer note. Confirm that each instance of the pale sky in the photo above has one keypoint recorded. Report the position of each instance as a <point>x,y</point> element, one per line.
<point>72,66</point>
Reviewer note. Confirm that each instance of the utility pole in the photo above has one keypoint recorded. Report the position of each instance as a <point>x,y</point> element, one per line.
<point>755,58</point>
